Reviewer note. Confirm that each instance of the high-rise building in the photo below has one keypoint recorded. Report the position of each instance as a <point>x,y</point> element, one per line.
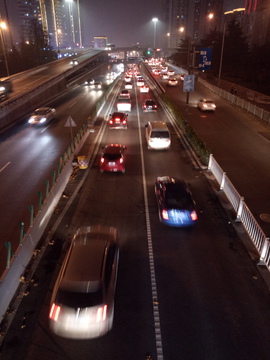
<point>189,19</point>
<point>256,25</point>
<point>60,21</point>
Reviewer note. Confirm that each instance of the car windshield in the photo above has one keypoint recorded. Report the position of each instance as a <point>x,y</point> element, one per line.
<point>112,156</point>
<point>41,112</point>
<point>79,299</point>
<point>178,199</point>
<point>160,134</point>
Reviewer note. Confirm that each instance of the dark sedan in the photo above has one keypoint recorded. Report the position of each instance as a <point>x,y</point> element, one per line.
<point>176,206</point>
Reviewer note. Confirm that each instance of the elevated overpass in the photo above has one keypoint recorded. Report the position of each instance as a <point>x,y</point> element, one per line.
<point>39,85</point>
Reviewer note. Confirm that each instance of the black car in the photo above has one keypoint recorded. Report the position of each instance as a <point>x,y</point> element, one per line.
<point>176,206</point>
<point>149,105</point>
<point>118,120</point>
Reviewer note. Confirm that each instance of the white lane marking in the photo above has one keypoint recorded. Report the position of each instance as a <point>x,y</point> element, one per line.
<point>155,301</point>
<point>3,168</point>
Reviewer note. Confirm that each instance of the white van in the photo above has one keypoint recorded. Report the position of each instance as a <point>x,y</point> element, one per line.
<point>157,135</point>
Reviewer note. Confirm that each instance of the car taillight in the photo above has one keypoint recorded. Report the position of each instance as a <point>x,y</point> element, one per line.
<point>102,160</point>
<point>194,216</point>
<point>121,160</point>
<point>124,122</point>
<point>165,214</point>
<point>110,122</point>
<point>101,313</point>
<point>117,119</point>
<point>144,106</point>
<point>155,106</point>
<point>54,312</point>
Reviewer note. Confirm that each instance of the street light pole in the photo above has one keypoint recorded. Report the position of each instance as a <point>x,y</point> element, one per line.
<point>155,20</point>
<point>221,54</point>
<point>3,26</point>
<point>79,23</point>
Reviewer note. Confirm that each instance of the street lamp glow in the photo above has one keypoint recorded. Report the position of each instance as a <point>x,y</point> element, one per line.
<point>211,15</point>
<point>182,29</point>
<point>155,20</point>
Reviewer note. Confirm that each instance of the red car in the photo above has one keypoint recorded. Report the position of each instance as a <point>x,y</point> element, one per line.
<point>113,158</point>
<point>118,120</point>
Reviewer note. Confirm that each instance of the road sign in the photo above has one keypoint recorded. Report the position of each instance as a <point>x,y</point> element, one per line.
<point>205,59</point>
<point>188,83</point>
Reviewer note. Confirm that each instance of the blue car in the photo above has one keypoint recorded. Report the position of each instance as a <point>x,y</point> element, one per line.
<point>176,206</point>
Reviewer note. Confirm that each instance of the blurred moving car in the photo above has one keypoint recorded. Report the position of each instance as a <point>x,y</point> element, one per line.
<point>74,62</point>
<point>42,115</point>
<point>157,135</point>
<point>123,105</point>
<point>113,158</point>
<point>82,302</point>
<point>118,120</point>
<point>165,76</point>
<point>124,94</point>
<point>144,89</point>
<point>172,82</point>
<point>149,105</point>
<point>140,81</point>
<point>97,85</point>
<point>89,82</point>
<point>181,77</point>
<point>206,105</point>
<point>176,206</point>
<point>128,86</point>
<point>170,72</point>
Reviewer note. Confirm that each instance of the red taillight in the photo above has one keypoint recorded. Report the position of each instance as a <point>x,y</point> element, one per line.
<point>165,214</point>
<point>102,160</point>
<point>121,160</point>
<point>101,313</point>
<point>110,122</point>
<point>155,106</point>
<point>194,216</point>
<point>124,122</point>
<point>117,119</point>
<point>144,106</point>
<point>54,312</point>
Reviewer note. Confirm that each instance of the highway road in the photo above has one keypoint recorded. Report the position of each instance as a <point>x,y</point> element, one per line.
<point>181,293</point>
<point>29,155</point>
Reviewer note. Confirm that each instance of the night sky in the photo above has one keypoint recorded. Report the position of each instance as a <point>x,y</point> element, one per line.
<point>124,22</point>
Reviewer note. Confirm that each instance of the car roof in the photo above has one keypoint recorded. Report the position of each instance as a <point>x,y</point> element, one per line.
<point>113,148</point>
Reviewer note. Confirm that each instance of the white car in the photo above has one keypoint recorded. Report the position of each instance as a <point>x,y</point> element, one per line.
<point>140,82</point>
<point>124,94</point>
<point>172,82</point>
<point>144,89</point>
<point>206,105</point>
<point>74,62</point>
<point>123,105</point>
<point>97,85</point>
<point>42,115</point>
<point>128,86</point>
<point>82,302</point>
<point>170,73</point>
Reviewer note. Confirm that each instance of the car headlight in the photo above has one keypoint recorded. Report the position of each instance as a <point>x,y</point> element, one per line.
<point>42,120</point>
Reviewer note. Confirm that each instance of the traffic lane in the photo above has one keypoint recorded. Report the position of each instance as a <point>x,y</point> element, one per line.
<point>115,200</point>
<point>32,154</point>
<point>238,141</point>
<point>204,276</point>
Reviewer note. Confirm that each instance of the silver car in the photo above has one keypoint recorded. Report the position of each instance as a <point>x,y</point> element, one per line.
<point>206,105</point>
<point>82,303</point>
<point>42,115</point>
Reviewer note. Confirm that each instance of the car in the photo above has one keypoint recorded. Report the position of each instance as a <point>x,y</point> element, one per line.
<point>128,79</point>
<point>89,82</point>
<point>176,206</point>
<point>82,302</point>
<point>123,105</point>
<point>97,85</point>
<point>172,82</point>
<point>206,105</point>
<point>144,89</point>
<point>149,105</point>
<point>124,94</point>
<point>164,69</point>
<point>118,120</point>
<point>113,158</point>
<point>42,115</point>
<point>156,72</point>
<point>74,62</point>
<point>181,77</point>
<point>165,76</point>
<point>157,135</point>
<point>128,86</point>
<point>140,81</point>
<point>170,72</point>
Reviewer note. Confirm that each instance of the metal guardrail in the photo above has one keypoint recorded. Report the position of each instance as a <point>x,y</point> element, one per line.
<point>244,104</point>
<point>243,213</point>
